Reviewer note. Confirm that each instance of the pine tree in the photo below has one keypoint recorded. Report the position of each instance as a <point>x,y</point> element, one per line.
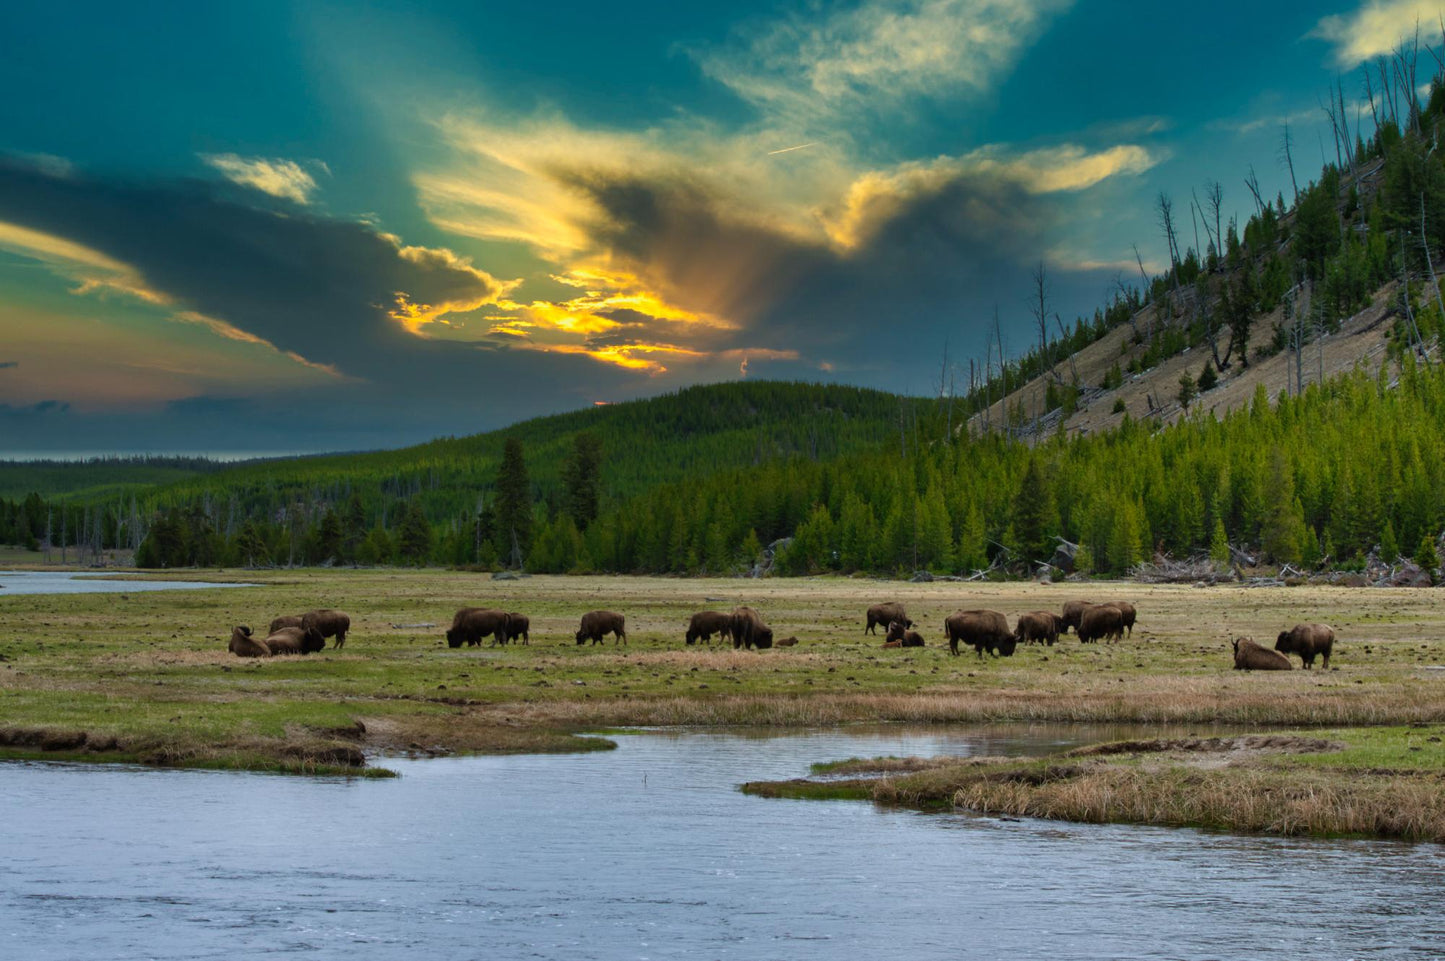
<point>1035,516</point>
<point>1428,559</point>
<point>1219,545</point>
<point>513,537</point>
<point>581,479</point>
<point>415,537</point>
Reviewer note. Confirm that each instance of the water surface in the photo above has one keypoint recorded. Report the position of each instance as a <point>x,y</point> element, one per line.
<point>71,582</point>
<point>649,852</point>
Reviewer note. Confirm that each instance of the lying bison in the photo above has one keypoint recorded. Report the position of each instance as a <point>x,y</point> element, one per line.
<point>786,642</point>
<point>1044,626</point>
<point>1307,640</point>
<point>1073,613</point>
<point>748,629</point>
<point>1249,656</point>
<point>886,614</point>
<point>328,623</point>
<point>597,623</point>
<point>982,629</point>
<point>704,624</point>
<point>1101,620</point>
<point>471,624</point>
<point>518,625</point>
<point>288,640</point>
<point>899,634</point>
<point>285,620</point>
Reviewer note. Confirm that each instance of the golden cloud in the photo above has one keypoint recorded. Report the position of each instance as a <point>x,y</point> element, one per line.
<point>1376,28</point>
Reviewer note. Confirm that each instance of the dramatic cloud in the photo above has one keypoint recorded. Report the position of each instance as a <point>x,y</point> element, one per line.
<point>812,73</point>
<point>1376,28</point>
<point>279,178</point>
<point>695,244</point>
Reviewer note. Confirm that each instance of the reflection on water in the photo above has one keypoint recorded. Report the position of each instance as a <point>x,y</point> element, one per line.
<point>650,852</point>
<point>69,582</point>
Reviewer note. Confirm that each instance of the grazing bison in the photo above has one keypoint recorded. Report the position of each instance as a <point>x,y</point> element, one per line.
<point>597,623</point>
<point>886,614</point>
<point>982,629</point>
<point>471,624</point>
<point>1249,656</point>
<point>1073,613</point>
<point>1307,640</point>
<point>1042,626</point>
<point>704,624</point>
<point>1127,610</point>
<point>518,625</point>
<point>328,623</point>
<point>749,630</point>
<point>286,620</point>
<point>1101,620</point>
<point>898,632</point>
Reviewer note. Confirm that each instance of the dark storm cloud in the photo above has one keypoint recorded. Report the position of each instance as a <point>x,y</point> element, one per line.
<point>928,263</point>
<point>9,363</point>
<point>318,287</point>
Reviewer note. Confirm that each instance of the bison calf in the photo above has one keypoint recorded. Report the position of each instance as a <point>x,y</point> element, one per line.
<point>898,632</point>
<point>597,623</point>
<point>1307,640</point>
<point>1249,656</point>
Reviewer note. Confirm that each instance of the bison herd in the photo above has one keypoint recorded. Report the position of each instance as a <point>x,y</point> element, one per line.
<point>983,630</point>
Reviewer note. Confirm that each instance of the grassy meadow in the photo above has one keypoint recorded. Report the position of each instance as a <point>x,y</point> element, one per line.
<point>147,676</point>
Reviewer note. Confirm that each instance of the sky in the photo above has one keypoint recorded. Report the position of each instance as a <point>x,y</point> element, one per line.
<point>274,226</point>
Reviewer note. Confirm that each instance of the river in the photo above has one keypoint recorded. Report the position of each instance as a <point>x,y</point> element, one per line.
<point>650,852</point>
<point>70,582</point>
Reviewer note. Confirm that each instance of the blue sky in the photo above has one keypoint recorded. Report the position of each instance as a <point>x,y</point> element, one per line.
<point>281,226</point>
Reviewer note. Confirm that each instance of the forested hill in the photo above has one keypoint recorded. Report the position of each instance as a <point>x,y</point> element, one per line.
<point>693,433</point>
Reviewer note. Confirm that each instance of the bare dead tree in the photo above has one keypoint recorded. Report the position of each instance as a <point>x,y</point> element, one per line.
<point>1252,182</point>
<point>1329,108</point>
<point>1144,277</point>
<point>1073,365</point>
<point>1165,207</point>
<point>1195,211</point>
<point>1286,153</point>
<point>1370,96</point>
<point>1387,91</point>
<point>1214,197</point>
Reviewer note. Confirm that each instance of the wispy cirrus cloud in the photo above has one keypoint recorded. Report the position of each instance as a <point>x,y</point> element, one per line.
<point>1376,28</point>
<point>285,179</point>
<point>809,72</point>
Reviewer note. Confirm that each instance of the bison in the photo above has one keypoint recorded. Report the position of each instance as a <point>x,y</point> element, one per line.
<point>328,623</point>
<point>1073,613</point>
<point>886,614</point>
<point>1307,640</point>
<point>471,624</point>
<point>785,642</point>
<point>1101,620</point>
<point>597,623</point>
<point>244,644</point>
<point>518,625</point>
<point>1249,656</point>
<point>898,632</point>
<point>1042,626</point>
<point>982,629</point>
<point>749,630</point>
<point>704,624</point>
<point>285,620</point>
<point>288,640</point>
<point>1126,609</point>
